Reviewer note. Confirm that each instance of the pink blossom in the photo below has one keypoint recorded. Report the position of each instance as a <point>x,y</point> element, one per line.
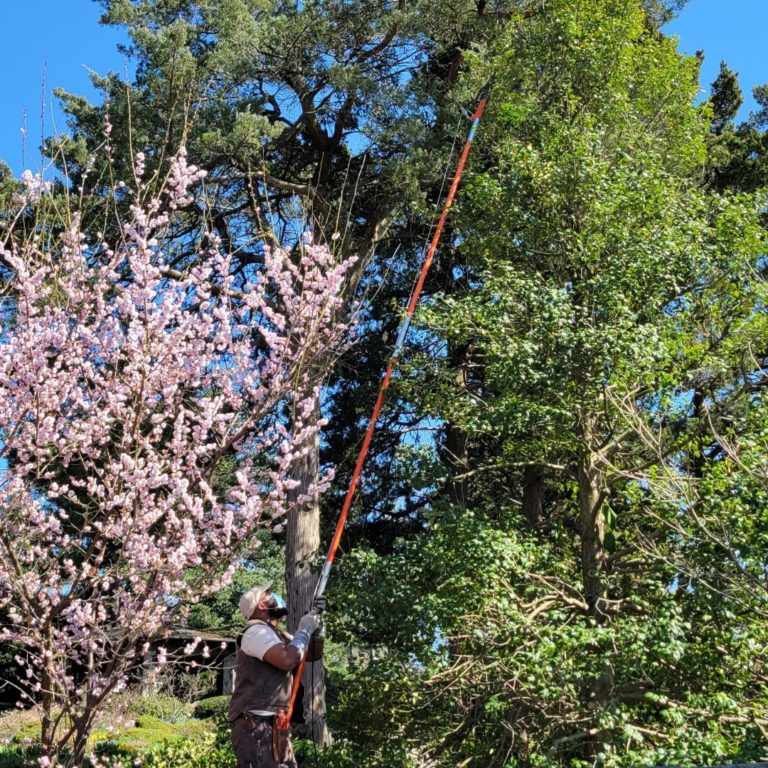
<point>35,186</point>
<point>139,165</point>
<point>123,394</point>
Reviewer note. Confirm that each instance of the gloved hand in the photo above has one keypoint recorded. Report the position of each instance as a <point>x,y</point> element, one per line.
<point>318,604</point>
<point>319,633</point>
<point>308,623</point>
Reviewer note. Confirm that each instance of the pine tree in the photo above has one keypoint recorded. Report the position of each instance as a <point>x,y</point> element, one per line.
<point>333,116</point>
<point>726,98</point>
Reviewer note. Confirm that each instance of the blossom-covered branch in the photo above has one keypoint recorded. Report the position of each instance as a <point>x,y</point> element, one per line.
<point>148,427</point>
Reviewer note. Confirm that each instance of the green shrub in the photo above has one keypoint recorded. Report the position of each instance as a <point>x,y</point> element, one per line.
<point>187,686</point>
<point>191,687</point>
<point>214,706</point>
<point>133,704</point>
<point>162,706</point>
<point>336,756</point>
<point>210,749</point>
<point>16,756</point>
<point>150,732</point>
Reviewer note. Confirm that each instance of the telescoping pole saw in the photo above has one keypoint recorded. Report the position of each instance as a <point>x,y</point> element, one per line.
<point>283,719</point>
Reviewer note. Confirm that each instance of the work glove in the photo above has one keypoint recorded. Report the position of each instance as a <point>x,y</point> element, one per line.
<point>318,604</point>
<point>308,623</point>
<point>319,633</point>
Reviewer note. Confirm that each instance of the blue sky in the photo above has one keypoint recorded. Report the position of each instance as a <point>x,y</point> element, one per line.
<point>53,43</point>
<point>733,30</point>
<point>47,44</point>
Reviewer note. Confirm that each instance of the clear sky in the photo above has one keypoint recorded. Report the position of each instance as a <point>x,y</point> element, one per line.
<point>47,44</point>
<point>53,43</point>
<point>730,30</point>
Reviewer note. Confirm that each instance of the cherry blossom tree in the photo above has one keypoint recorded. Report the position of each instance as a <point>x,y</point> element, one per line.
<point>149,424</point>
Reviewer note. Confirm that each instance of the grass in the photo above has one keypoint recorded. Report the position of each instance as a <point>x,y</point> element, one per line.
<point>149,732</point>
<point>16,725</point>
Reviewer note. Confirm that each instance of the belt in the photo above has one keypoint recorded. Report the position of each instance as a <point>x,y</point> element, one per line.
<point>255,718</point>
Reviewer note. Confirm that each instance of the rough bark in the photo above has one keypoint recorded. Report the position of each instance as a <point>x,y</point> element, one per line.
<point>46,721</point>
<point>456,458</point>
<point>81,740</point>
<point>533,495</point>
<point>592,530</point>
<point>302,549</point>
<point>591,495</point>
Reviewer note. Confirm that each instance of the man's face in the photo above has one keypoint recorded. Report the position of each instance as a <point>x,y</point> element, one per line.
<point>274,605</point>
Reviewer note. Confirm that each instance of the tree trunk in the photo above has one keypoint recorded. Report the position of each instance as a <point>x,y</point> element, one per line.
<point>533,495</point>
<point>302,548</point>
<point>591,482</point>
<point>592,530</point>
<point>456,458</point>
<point>82,732</point>
<point>48,698</point>
<point>46,721</point>
<point>591,494</point>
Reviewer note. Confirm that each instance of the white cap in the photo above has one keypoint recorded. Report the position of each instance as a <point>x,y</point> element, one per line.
<point>250,600</point>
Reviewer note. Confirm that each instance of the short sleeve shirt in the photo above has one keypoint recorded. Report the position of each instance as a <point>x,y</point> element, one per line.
<point>258,639</point>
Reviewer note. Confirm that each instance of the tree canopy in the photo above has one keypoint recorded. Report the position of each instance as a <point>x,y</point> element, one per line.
<point>558,553</point>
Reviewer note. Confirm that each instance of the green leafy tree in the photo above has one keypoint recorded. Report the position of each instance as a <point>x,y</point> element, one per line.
<point>611,323</point>
<point>603,270</point>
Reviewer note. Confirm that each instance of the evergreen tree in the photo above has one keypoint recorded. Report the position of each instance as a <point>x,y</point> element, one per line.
<point>726,98</point>
<point>737,150</point>
<point>334,116</point>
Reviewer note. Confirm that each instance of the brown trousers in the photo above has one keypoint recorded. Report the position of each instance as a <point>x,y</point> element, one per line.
<point>252,740</point>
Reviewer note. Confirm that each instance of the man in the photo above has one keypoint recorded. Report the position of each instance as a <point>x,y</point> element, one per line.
<point>266,657</point>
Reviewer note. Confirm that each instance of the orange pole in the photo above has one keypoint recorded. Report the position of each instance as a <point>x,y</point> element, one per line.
<point>414,300</point>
